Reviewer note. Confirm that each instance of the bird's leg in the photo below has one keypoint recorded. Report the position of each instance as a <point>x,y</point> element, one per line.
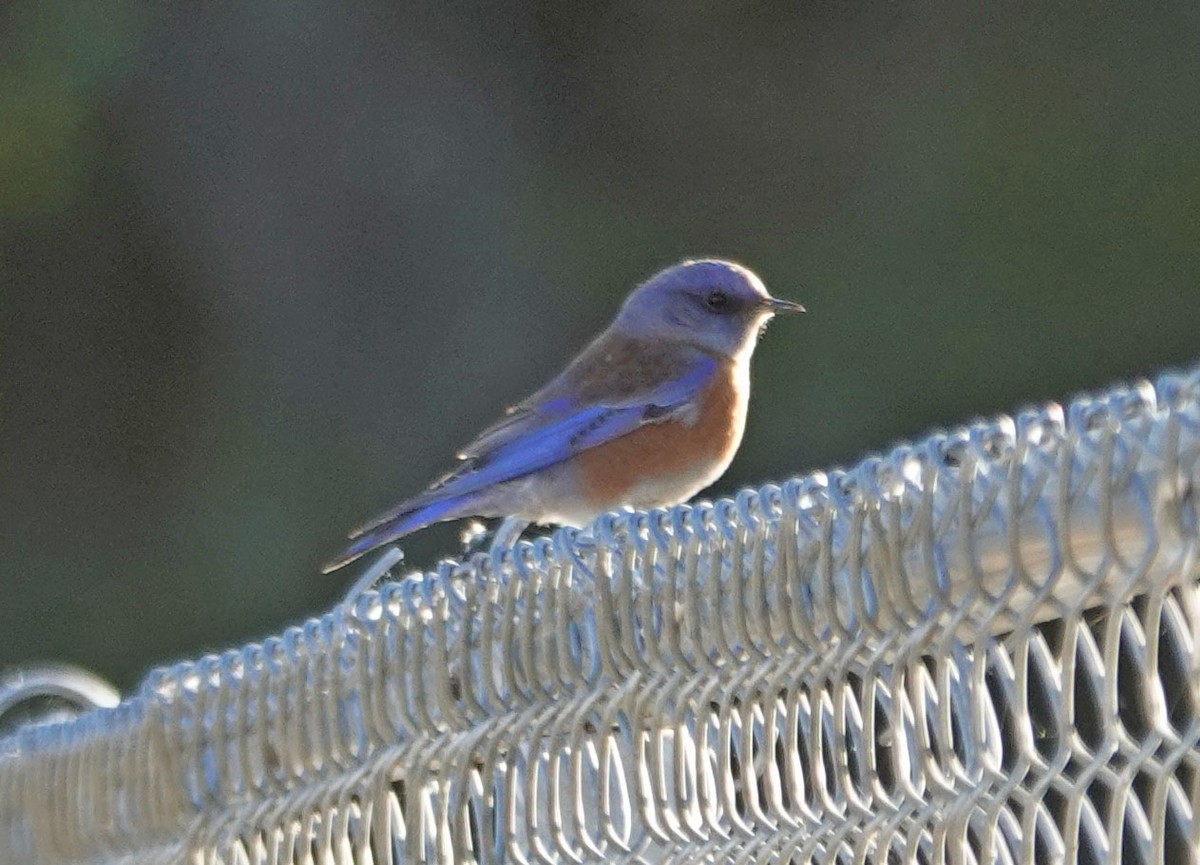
<point>507,534</point>
<point>474,538</point>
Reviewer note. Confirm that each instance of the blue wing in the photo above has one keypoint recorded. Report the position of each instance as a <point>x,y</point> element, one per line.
<point>549,428</point>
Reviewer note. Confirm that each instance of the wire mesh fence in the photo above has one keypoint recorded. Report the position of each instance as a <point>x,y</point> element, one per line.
<point>981,647</point>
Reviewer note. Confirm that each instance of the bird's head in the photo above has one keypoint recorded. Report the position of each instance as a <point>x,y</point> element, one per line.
<point>716,305</point>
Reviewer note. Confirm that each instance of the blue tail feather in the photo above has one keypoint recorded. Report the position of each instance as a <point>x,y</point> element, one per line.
<point>403,524</point>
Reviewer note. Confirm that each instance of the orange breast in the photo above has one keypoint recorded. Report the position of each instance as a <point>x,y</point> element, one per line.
<point>690,448</point>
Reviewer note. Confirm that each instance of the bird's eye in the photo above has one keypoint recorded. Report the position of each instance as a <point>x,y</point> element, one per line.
<point>716,301</point>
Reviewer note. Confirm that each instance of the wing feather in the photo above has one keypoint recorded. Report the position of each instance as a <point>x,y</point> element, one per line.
<point>576,411</point>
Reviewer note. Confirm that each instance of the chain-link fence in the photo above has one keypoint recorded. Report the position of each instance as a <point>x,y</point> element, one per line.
<point>978,648</point>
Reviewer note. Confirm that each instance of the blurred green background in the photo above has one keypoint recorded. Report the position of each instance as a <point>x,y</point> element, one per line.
<point>265,266</point>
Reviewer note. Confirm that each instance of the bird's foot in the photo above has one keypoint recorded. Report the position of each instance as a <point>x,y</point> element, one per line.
<point>477,539</point>
<point>474,538</point>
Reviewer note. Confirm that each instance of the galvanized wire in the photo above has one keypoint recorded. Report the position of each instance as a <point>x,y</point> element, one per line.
<point>978,648</point>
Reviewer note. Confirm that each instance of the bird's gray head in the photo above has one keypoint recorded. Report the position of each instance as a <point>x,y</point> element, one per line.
<point>716,305</point>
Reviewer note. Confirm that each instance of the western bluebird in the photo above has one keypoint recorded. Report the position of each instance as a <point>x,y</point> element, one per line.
<point>647,415</point>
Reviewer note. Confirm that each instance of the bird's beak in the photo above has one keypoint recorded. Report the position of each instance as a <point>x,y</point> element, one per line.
<point>776,306</point>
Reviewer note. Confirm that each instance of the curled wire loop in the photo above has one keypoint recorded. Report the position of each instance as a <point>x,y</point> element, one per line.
<point>980,647</point>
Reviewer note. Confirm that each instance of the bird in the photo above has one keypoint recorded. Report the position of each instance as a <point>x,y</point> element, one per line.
<point>651,412</point>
